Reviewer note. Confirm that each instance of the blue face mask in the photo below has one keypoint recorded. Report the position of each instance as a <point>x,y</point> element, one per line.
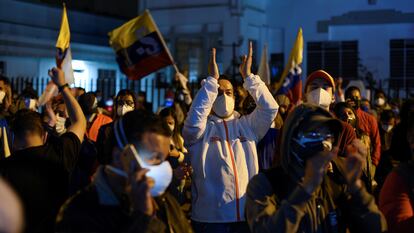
<point>364,108</point>
<point>396,111</point>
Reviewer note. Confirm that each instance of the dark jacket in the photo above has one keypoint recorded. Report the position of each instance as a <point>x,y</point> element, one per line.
<point>276,202</point>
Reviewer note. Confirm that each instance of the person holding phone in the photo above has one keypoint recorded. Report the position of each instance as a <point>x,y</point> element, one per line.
<point>312,189</point>
<point>128,193</point>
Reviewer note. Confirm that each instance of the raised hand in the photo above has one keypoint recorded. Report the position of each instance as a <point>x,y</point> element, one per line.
<point>315,169</point>
<point>246,65</point>
<point>213,70</point>
<point>58,77</point>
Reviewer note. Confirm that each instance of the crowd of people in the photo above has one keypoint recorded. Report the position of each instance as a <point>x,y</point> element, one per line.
<point>232,158</point>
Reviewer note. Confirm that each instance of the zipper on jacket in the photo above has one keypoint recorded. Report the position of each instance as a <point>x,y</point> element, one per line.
<point>233,163</point>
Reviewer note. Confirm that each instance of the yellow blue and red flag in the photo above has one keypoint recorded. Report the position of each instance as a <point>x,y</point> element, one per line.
<point>291,82</point>
<point>140,48</point>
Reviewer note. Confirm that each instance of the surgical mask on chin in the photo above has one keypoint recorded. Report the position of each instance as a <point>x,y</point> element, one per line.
<point>2,95</point>
<point>124,109</point>
<point>319,97</point>
<point>171,126</point>
<point>60,124</point>
<point>223,106</point>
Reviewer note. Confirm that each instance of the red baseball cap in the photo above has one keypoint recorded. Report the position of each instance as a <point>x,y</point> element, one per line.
<point>320,74</point>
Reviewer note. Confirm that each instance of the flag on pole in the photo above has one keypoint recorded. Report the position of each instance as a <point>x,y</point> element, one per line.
<point>264,70</point>
<point>291,82</point>
<point>140,48</point>
<point>63,59</point>
<point>64,54</point>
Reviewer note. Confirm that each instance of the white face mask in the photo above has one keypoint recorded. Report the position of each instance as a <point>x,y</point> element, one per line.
<point>380,101</point>
<point>319,97</point>
<point>161,174</point>
<point>387,128</point>
<point>60,124</point>
<point>223,106</point>
<point>124,109</point>
<point>171,126</point>
<point>2,95</point>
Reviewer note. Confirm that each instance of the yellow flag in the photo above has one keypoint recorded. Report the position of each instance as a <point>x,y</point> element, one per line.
<point>295,58</point>
<point>63,40</point>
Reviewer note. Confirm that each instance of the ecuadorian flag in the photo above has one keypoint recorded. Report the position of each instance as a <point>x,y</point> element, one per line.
<point>64,55</point>
<point>291,81</point>
<point>139,46</point>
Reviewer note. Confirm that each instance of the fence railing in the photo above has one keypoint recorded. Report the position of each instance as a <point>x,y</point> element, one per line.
<point>154,90</point>
<point>398,87</point>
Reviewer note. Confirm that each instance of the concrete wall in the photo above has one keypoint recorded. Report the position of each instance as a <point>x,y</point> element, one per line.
<point>371,25</point>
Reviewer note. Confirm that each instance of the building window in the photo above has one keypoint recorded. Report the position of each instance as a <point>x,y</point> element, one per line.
<point>190,52</point>
<point>106,82</point>
<point>338,58</point>
<point>402,63</point>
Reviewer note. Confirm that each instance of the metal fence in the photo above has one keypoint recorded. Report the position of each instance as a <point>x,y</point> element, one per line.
<point>154,89</point>
<point>398,87</point>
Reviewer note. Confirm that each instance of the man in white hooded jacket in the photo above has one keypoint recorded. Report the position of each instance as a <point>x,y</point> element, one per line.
<point>222,145</point>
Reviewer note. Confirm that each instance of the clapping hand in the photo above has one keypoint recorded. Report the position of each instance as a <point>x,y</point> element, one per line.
<point>213,70</point>
<point>246,65</point>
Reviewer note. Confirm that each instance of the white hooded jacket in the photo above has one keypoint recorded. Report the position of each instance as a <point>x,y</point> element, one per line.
<point>223,152</point>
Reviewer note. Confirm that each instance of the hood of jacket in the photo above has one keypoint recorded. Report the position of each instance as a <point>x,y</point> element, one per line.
<point>302,117</point>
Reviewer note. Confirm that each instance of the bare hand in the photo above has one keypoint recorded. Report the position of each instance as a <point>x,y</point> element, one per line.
<point>315,169</point>
<point>213,70</point>
<point>140,195</point>
<point>58,77</point>
<point>356,156</point>
<point>246,65</point>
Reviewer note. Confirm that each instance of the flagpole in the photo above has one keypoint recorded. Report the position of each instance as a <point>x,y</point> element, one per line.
<point>162,40</point>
